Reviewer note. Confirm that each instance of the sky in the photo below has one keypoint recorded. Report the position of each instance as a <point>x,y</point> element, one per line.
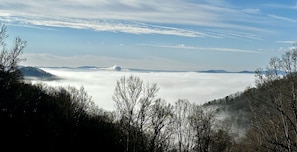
<point>233,35</point>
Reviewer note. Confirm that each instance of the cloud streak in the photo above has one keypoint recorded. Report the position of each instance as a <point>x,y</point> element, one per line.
<point>128,16</point>
<point>102,25</point>
<point>182,46</point>
<point>282,18</point>
<point>287,42</point>
<point>252,10</point>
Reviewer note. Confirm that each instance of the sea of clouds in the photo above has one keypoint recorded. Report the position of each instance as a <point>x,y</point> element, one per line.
<point>196,87</point>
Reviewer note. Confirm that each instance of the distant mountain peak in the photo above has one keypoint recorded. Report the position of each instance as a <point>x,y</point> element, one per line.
<point>214,71</point>
<point>37,73</point>
<point>224,71</point>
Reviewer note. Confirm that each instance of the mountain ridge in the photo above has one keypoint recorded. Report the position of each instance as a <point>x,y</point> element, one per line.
<point>150,70</point>
<point>30,72</point>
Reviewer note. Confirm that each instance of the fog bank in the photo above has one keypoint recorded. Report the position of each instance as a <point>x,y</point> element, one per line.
<point>196,87</point>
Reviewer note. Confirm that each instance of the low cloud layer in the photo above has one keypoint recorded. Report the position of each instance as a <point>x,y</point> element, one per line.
<point>196,87</point>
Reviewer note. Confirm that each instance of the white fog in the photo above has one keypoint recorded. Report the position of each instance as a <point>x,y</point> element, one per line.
<point>196,87</point>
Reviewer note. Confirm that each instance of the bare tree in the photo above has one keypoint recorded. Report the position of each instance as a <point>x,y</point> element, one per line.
<point>182,127</point>
<point>202,121</point>
<point>161,122</point>
<point>154,125</point>
<point>82,101</point>
<point>145,106</point>
<point>275,129</point>
<point>9,58</point>
<point>133,100</point>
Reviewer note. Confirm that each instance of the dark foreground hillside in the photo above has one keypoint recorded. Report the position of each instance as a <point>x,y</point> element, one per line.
<point>36,118</point>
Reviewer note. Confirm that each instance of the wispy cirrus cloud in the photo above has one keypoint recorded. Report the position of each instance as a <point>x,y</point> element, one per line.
<point>131,16</point>
<point>251,10</point>
<point>104,25</point>
<point>282,5</point>
<point>183,46</point>
<point>288,41</point>
<point>282,18</point>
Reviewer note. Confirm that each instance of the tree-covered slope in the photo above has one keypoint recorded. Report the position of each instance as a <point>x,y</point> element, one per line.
<point>36,73</point>
<point>39,118</point>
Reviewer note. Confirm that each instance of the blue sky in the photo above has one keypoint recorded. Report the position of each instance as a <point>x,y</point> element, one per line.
<point>178,34</point>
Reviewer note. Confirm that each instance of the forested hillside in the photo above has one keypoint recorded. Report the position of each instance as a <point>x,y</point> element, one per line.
<point>266,114</point>
<point>36,73</point>
<point>41,118</point>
